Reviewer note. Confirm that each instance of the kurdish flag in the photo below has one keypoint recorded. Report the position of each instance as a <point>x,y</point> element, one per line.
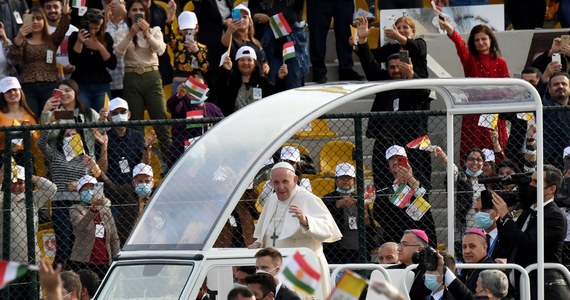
<point>402,195</point>
<point>78,3</point>
<point>196,88</point>
<point>279,25</point>
<point>349,287</point>
<point>288,50</point>
<point>298,274</point>
<point>10,271</point>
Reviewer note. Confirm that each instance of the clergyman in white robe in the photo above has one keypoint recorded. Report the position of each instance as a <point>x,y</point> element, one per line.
<point>275,220</point>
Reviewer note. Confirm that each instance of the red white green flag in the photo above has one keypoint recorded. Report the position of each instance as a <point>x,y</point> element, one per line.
<point>10,271</point>
<point>279,25</point>
<point>288,50</point>
<point>421,143</point>
<point>299,275</point>
<point>402,195</point>
<point>196,88</point>
<point>78,3</point>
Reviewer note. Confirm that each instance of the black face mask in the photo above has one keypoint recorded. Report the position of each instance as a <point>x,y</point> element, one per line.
<point>529,197</point>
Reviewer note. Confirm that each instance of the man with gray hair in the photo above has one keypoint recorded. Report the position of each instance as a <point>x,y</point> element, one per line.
<point>293,217</point>
<point>493,284</point>
<point>388,253</point>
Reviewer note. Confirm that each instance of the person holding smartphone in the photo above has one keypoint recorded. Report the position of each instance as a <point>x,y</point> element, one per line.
<point>92,55</point>
<point>34,50</point>
<point>190,57</point>
<point>142,84</point>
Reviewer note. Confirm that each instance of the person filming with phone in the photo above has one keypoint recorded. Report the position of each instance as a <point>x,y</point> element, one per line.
<point>396,205</point>
<point>190,57</point>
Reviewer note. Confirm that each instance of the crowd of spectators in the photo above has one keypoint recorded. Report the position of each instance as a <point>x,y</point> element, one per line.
<point>57,72</point>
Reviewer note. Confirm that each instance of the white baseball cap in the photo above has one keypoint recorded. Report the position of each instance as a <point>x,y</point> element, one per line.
<point>143,169</point>
<point>489,154</point>
<point>84,180</point>
<point>118,103</point>
<point>395,150</point>
<point>8,83</point>
<point>246,51</point>
<point>290,153</point>
<point>566,152</point>
<point>187,20</point>
<point>345,169</point>
<point>243,7</point>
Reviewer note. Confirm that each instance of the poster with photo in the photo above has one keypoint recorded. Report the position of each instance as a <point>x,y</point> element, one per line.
<point>463,18</point>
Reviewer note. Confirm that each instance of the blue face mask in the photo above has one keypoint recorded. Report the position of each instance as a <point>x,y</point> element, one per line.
<point>349,191</point>
<point>86,196</point>
<point>430,281</point>
<point>473,174</point>
<point>199,101</point>
<point>143,189</point>
<point>483,220</point>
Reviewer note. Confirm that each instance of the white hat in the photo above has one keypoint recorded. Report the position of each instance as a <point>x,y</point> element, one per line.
<point>142,169</point>
<point>20,173</point>
<point>283,165</point>
<point>187,20</point>
<point>566,152</point>
<point>290,153</point>
<point>118,103</point>
<point>345,169</point>
<point>84,180</point>
<point>489,155</point>
<point>246,51</point>
<point>395,150</point>
<point>243,7</point>
<point>8,83</point>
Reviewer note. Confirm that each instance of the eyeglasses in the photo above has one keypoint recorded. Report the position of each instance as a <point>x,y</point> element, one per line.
<point>405,244</point>
<point>473,159</point>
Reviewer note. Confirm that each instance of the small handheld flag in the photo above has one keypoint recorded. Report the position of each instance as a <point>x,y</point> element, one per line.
<point>11,270</point>
<point>421,143</point>
<point>288,50</point>
<point>299,275</point>
<point>279,25</point>
<point>488,120</point>
<point>349,287</point>
<point>195,88</point>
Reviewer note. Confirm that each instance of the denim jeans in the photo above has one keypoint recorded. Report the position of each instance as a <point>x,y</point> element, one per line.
<point>93,94</point>
<point>63,230</point>
<point>564,13</point>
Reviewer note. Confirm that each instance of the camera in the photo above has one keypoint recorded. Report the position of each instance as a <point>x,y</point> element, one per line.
<point>426,259</point>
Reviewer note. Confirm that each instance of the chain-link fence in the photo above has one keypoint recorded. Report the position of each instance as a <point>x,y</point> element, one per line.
<point>52,209</point>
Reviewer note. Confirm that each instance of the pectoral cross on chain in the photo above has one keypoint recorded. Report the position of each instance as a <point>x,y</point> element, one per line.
<point>274,237</point>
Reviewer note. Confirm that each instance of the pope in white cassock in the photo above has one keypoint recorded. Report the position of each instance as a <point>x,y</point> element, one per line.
<point>293,217</point>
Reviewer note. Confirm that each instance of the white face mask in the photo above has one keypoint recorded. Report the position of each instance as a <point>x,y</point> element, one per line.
<point>120,117</point>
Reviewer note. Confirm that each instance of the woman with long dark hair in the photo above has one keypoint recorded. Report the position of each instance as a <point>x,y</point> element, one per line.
<point>78,113</point>
<point>480,57</point>
<point>92,54</point>
<point>34,50</point>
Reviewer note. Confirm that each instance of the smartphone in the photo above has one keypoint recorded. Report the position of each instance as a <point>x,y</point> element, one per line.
<point>189,36</point>
<point>117,1</point>
<point>138,16</point>
<point>404,56</point>
<point>403,162</point>
<point>486,199</point>
<point>441,18</point>
<point>63,115</point>
<point>84,25</point>
<point>556,58</point>
<point>236,14</point>
<point>28,19</point>
<point>565,39</point>
<point>57,94</point>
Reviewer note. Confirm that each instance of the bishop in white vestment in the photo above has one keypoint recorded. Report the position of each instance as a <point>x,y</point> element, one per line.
<point>294,217</point>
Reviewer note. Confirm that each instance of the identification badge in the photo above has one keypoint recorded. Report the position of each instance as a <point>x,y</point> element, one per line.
<point>99,231</point>
<point>352,223</point>
<point>396,104</point>
<point>49,56</point>
<point>257,94</point>
<point>233,221</point>
<point>17,142</point>
<point>124,165</point>
<point>195,65</point>
<point>18,18</point>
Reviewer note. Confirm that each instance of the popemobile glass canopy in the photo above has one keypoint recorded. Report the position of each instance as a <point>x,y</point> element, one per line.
<point>195,199</point>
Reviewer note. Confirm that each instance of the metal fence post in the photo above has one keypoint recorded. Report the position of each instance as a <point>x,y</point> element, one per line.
<point>361,188</point>
<point>30,213</point>
<point>7,215</point>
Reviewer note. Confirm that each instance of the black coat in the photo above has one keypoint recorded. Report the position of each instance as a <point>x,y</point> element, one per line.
<point>286,294</point>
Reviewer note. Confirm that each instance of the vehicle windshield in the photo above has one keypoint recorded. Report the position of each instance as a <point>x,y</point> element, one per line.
<point>150,281</point>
